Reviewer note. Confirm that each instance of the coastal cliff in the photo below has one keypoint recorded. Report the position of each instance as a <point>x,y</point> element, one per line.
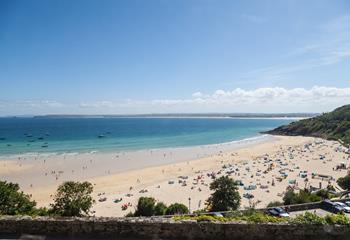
<point>334,125</point>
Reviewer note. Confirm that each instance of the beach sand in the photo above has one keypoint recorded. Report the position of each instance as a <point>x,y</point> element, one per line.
<point>270,164</point>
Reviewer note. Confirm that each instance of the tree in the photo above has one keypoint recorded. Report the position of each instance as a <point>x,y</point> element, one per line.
<point>344,182</point>
<point>73,199</point>
<point>177,208</point>
<point>160,209</point>
<point>13,201</point>
<point>226,196</point>
<point>145,206</point>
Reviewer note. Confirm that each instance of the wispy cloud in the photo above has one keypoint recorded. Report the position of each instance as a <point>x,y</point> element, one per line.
<point>254,18</point>
<point>330,45</point>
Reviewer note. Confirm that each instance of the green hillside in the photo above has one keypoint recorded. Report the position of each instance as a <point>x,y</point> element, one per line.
<point>334,125</point>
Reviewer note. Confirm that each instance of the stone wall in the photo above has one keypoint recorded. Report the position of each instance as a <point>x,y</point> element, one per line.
<point>164,228</point>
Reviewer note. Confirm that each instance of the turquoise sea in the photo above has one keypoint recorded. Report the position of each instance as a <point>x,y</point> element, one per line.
<point>57,135</point>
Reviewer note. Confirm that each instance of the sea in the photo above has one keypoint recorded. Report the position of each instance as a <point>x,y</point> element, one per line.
<point>22,135</point>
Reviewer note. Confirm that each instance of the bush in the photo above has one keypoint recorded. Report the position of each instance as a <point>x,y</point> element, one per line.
<point>303,196</point>
<point>226,196</point>
<point>73,199</point>
<point>177,208</point>
<point>324,194</point>
<point>259,217</point>
<point>13,201</point>
<point>130,214</point>
<point>145,206</point>
<point>344,182</point>
<point>160,209</point>
<point>308,218</point>
<point>275,204</point>
<point>337,219</point>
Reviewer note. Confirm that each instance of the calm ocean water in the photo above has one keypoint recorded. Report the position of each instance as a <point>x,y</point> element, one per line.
<point>25,135</point>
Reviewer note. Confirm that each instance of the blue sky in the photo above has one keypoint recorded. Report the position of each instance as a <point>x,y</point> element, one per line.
<point>138,56</point>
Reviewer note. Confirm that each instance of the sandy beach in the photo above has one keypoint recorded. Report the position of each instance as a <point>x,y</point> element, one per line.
<point>266,166</point>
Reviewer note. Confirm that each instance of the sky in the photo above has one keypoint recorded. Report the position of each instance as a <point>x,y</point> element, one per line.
<point>173,56</point>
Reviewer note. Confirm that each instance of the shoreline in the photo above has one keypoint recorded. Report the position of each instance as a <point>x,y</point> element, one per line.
<point>155,172</point>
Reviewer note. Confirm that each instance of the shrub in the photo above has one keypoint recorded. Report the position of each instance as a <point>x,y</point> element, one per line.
<point>177,208</point>
<point>308,218</point>
<point>275,204</point>
<point>324,194</point>
<point>304,196</point>
<point>73,199</point>
<point>145,206</point>
<point>337,219</point>
<point>13,201</point>
<point>225,196</point>
<point>259,217</point>
<point>160,209</point>
<point>130,214</point>
<point>344,182</point>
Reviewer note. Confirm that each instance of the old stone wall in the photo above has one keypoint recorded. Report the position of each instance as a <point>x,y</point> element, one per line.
<point>164,228</point>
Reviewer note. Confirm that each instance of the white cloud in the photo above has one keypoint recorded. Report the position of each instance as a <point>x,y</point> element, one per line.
<point>197,95</point>
<point>274,99</point>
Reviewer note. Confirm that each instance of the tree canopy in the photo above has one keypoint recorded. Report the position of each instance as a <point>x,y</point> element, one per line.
<point>176,208</point>
<point>145,206</point>
<point>225,196</point>
<point>13,201</point>
<point>73,199</point>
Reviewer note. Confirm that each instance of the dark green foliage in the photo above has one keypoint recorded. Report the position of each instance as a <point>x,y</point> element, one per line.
<point>130,214</point>
<point>344,182</point>
<point>160,209</point>
<point>73,199</point>
<point>304,196</point>
<point>225,196</point>
<point>145,206</point>
<point>275,204</point>
<point>177,208</point>
<point>333,126</point>
<point>13,201</point>
<point>324,194</point>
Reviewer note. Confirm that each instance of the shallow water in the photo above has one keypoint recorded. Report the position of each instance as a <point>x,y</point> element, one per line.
<point>24,135</point>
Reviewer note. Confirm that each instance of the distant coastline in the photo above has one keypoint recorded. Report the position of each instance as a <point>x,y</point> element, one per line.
<point>185,115</point>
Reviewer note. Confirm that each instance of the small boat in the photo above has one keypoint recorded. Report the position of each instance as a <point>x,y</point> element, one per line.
<point>45,145</point>
<point>40,138</point>
<point>101,136</point>
<point>29,135</point>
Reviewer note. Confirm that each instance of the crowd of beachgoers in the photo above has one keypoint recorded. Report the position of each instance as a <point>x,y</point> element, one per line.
<point>264,170</point>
